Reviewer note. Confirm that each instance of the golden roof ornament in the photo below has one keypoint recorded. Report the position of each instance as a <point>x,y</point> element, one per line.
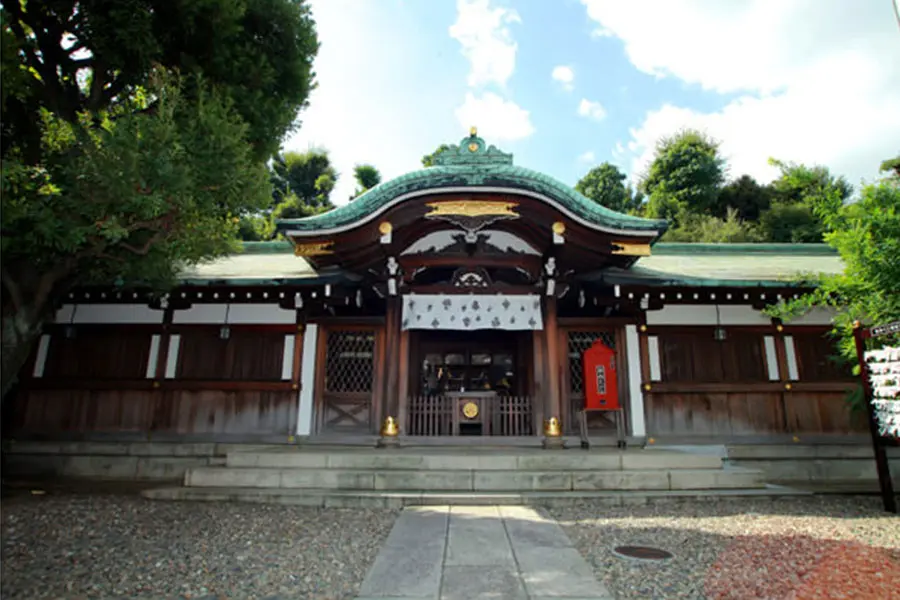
<point>473,131</point>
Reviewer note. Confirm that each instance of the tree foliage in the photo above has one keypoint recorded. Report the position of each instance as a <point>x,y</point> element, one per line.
<point>309,176</point>
<point>713,230</point>
<point>133,139</point>
<point>684,177</point>
<point>367,177</point>
<point>745,196</point>
<point>866,234</point>
<point>605,185</point>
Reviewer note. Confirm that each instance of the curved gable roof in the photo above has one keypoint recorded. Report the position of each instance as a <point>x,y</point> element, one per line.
<point>472,166</point>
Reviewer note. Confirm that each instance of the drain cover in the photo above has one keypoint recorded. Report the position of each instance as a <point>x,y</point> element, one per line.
<point>641,553</point>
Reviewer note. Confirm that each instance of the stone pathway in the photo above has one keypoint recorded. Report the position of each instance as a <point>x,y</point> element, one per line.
<point>469,552</point>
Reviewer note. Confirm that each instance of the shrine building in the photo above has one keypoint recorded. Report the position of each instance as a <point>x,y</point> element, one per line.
<point>475,298</point>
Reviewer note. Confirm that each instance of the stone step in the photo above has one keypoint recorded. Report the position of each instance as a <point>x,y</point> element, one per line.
<point>397,499</point>
<point>450,460</point>
<point>471,480</point>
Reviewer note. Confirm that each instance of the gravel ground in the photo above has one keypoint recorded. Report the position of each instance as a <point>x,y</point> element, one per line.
<point>113,546</point>
<point>799,548</point>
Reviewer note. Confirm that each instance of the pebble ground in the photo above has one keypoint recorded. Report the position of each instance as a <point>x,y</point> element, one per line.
<point>788,549</point>
<point>114,546</point>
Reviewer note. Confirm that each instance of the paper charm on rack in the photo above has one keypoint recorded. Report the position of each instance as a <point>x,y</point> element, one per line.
<point>884,374</point>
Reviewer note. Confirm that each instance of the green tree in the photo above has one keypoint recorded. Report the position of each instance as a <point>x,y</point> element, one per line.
<point>367,177</point>
<point>255,228</point>
<point>791,224</point>
<point>891,165</point>
<point>800,196</point>
<point>605,185</point>
<point>428,159</point>
<point>866,233</point>
<point>710,229</point>
<point>308,175</point>
<point>745,196</point>
<point>114,169</point>
<point>684,177</point>
<point>293,208</point>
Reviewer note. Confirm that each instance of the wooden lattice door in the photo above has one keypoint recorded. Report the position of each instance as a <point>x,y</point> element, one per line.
<point>349,380</point>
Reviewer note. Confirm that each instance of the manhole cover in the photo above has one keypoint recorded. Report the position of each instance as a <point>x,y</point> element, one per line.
<point>641,553</point>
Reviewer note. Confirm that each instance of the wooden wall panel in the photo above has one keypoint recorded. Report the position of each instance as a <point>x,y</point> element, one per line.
<point>173,411</point>
<point>714,413</point>
<point>821,412</point>
<point>692,354</point>
<point>248,355</point>
<point>227,412</point>
<point>83,411</point>
<point>99,354</point>
<point>750,413</point>
<point>816,358</point>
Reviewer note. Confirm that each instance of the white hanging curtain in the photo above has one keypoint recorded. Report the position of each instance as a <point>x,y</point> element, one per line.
<point>470,312</point>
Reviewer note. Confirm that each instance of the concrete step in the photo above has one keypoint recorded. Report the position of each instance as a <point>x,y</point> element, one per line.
<point>395,499</point>
<point>466,460</point>
<point>472,480</point>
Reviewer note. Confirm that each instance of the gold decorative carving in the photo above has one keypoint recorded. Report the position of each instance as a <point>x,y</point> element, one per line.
<point>313,249</point>
<point>473,147</point>
<point>473,208</point>
<point>470,410</point>
<point>473,131</point>
<point>559,228</point>
<point>385,227</point>
<point>631,249</point>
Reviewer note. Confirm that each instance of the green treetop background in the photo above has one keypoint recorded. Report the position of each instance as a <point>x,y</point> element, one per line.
<point>134,136</point>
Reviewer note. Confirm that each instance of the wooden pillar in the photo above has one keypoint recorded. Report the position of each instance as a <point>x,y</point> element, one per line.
<point>553,361</point>
<point>391,360</point>
<point>538,387</point>
<point>403,369</point>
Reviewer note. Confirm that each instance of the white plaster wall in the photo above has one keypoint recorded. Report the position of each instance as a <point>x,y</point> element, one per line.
<point>200,313</point>
<point>635,393</point>
<point>108,313</point>
<point>705,314</point>
<point>307,380</point>
<point>817,316</point>
<point>41,359</point>
<point>261,314</point>
<point>287,359</point>
<point>238,314</point>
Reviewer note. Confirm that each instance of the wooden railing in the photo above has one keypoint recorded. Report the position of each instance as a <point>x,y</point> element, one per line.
<point>442,416</point>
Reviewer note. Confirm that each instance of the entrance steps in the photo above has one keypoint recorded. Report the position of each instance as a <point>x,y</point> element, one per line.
<point>400,477</point>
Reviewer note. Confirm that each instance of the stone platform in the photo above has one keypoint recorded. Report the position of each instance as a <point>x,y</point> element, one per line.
<point>347,476</point>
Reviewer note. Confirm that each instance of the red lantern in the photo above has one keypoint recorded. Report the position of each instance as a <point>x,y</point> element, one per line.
<point>601,390</point>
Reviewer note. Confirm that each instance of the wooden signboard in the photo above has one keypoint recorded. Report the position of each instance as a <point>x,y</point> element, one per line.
<point>879,370</point>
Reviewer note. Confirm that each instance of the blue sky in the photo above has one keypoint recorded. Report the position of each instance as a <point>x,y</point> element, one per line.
<point>567,84</point>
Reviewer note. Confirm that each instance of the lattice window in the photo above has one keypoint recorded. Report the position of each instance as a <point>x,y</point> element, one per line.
<point>349,362</point>
<point>579,341</point>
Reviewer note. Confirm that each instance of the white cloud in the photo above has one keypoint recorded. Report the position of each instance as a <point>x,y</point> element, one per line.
<point>565,75</point>
<point>591,110</point>
<point>587,157</point>
<point>486,41</point>
<point>496,118</point>
<point>812,76</point>
<point>401,113</point>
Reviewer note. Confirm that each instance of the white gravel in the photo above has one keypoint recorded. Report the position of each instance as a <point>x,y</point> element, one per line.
<point>786,548</point>
<point>105,546</point>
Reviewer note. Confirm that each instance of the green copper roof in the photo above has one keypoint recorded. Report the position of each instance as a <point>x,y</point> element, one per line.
<point>706,265</point>
<point>471,165</point>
